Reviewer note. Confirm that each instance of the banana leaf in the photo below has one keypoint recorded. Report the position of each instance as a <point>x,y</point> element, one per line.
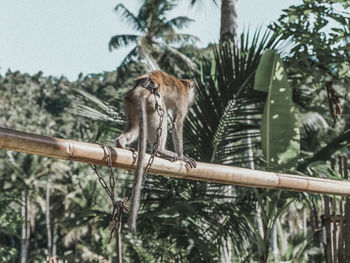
<point>279,129</point>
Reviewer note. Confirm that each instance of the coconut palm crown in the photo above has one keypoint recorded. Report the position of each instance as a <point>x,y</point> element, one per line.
<point>157,33</point>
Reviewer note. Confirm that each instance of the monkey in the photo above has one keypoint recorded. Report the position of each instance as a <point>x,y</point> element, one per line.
<point>176,95</point>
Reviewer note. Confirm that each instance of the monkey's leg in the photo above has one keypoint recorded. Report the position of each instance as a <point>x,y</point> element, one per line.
<point>172,156</point>
<point>178,140</point>
<point>153,121</point>
<point>131,111</point>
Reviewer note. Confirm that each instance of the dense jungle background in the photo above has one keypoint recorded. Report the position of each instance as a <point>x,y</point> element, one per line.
<point>58,209</point>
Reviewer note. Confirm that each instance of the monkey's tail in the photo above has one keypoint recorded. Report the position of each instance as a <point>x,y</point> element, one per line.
<point>138,180</point>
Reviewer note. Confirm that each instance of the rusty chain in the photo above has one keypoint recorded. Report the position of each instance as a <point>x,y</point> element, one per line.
<point>118,206</point>
<point>160,111</point>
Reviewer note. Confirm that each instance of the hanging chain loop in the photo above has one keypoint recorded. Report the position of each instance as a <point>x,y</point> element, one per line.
<point>118,206</point>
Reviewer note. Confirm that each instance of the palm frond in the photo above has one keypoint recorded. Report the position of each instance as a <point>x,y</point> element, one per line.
<point>100,110</point>
<point>133,54</point>
<point>118,41</point>
<point>87,111</point>
<point>177,38</point>
<point>180,22</point>
<point>152,12</point>
<point>164,6</point>
<point>161,28</point>
<point>155,29</point>
<point>242,60</point>
<point>194,2</point>
<point>235,132</point>
<point>181,56</point>
<point>201,207</point>
<point>129,17</point>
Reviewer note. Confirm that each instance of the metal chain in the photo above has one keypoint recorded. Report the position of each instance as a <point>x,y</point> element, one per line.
<point>118,206</point>
<point>159,131</point>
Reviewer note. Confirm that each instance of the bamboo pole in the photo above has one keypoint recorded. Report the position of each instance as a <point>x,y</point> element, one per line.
<point>94,153</point>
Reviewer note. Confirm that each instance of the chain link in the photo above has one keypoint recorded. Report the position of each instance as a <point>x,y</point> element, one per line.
<point>102,182</point>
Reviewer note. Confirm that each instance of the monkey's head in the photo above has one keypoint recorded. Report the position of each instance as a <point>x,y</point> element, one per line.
<point>191,91</point>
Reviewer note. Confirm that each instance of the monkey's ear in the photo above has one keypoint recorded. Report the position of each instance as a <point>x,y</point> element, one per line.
<point>192,84</point>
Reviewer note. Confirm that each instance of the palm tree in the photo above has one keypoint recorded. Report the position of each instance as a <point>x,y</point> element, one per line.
<point>157,34</point>
<point>228,27</point>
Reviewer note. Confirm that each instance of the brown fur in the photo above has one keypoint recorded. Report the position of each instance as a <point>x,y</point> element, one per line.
<point>168,84</point>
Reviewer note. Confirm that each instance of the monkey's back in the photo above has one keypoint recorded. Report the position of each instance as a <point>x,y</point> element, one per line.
<point>171,88</point>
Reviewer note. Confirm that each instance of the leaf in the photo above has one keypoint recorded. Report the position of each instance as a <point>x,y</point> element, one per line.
<point>339,143</point>
<point>129,17</point>
<point>122,41</point>
<point>279,130</point>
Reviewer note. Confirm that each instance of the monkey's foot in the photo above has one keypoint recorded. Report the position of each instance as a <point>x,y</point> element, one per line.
<point>130,149</point>
<point>173,157</point>
<point>189,161</point>
<point>119,145</point>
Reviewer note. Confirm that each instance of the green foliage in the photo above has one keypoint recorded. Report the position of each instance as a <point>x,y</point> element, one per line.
<point>279,129</point>
<point>273,204</point>
<point>320,32</point>
<point>42,105</point>
<point>319,36</point>
<point>299,248</point>
<point>337,145</point>
<point>10,220</point>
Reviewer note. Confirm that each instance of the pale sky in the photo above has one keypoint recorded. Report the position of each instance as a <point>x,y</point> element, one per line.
<point>67,37</point>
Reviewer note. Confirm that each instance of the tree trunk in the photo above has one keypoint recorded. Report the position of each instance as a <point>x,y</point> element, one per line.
<point>226,250</point>
<point>25,229</point>
<point>260,226</point>
<point>54,238</point>
<point>47,215</point>
<point>228,29</point>
<point>274,243</point>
